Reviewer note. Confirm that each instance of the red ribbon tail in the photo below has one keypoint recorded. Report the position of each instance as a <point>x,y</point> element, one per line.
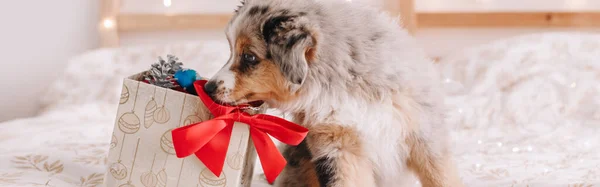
<point>213,154</point>
<point>270,158</point>
<point>189,139</point>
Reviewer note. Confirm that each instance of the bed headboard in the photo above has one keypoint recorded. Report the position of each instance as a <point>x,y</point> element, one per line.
<point>114,22</point>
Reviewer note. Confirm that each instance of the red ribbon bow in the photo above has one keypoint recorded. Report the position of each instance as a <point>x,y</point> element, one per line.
<point>209,140</point>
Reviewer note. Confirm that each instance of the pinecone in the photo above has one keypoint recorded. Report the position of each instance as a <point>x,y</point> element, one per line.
<point>162,73</point>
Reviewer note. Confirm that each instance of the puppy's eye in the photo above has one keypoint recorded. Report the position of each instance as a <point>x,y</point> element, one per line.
<point>249,58</point>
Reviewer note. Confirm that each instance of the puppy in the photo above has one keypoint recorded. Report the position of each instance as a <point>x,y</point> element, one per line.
<point>369,97</point>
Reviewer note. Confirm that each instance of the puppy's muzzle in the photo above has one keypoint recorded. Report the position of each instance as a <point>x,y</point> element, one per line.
<point>211,88</point>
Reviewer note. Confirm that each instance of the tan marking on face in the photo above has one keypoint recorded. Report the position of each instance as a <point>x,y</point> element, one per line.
<point>264,82</point>
<point>240,44</point>
<point>245,44</point>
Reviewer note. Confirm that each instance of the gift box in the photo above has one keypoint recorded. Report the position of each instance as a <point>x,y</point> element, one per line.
<point>166,137</point>
<point>142,151</point>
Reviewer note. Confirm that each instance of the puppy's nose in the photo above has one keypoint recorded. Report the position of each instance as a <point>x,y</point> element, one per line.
<point>210,87</point>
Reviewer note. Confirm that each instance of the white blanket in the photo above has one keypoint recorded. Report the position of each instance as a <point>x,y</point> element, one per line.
<point>526,112</point>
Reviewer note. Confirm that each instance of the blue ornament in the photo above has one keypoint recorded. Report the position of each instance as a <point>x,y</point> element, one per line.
<point>185,78</point>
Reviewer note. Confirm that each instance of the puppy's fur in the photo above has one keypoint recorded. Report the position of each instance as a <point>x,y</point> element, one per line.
<point>369,97</point>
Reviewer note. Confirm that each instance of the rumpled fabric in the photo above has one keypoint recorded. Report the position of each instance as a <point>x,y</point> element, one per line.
<point>524,111</point>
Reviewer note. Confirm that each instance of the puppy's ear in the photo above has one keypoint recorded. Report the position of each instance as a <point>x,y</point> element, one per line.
<point>291,45</point>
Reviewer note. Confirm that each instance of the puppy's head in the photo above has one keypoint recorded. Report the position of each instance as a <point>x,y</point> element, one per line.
<point>271,49</point>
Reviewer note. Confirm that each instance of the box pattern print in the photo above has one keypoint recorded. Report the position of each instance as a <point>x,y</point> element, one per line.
<point>142,154</point>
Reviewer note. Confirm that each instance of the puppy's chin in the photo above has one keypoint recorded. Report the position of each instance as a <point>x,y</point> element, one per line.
<point>256,103</point>
<point>223,102</point>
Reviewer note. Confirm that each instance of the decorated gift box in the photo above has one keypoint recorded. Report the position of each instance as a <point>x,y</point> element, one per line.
<point>165,135</point>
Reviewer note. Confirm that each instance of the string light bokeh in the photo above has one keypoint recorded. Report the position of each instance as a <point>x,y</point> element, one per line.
<point>108,23</point>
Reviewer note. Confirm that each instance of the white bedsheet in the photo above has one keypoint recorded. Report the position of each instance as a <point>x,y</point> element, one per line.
<point>526,112</point>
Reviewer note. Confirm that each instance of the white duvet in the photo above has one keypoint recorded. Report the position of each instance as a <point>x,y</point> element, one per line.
<point>525,112</point>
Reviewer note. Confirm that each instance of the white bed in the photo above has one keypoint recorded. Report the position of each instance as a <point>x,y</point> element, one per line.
<point>526,112</point>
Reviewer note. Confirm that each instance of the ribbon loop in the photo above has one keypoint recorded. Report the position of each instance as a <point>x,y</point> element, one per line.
<point>209,140</point>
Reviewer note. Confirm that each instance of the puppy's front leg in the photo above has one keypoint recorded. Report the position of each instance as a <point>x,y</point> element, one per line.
<point>300,170</point>
<point>434,167</point>
<point>339,157</point>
